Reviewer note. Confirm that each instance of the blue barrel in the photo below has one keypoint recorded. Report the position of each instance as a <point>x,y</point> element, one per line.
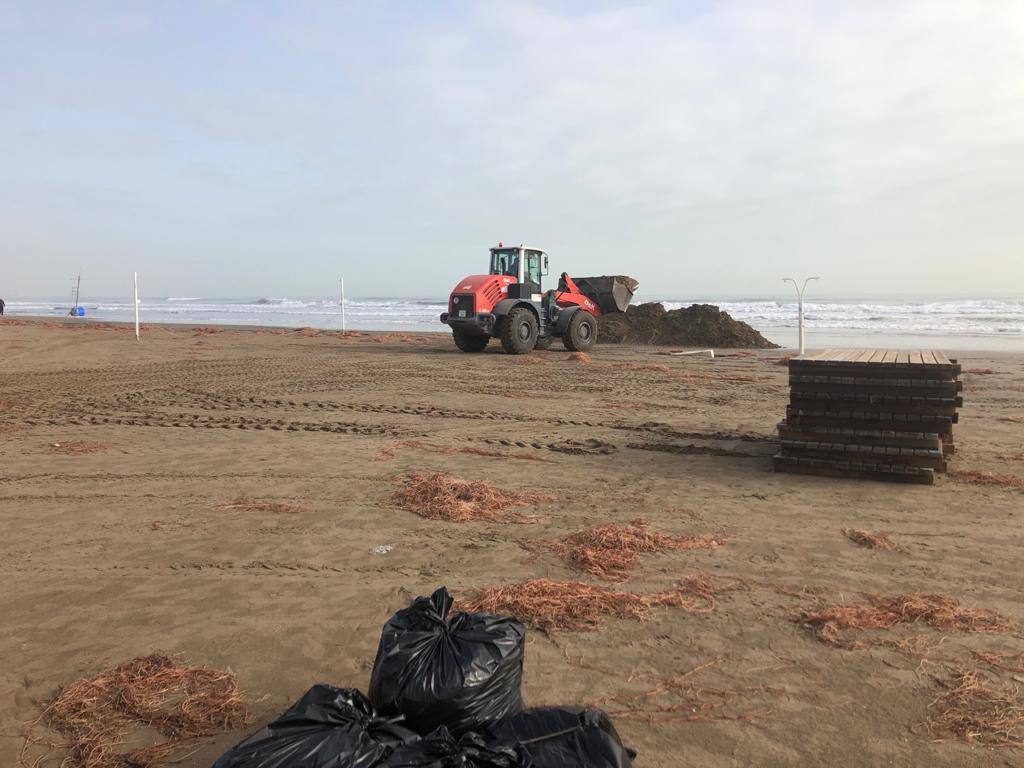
<point>81,311</point>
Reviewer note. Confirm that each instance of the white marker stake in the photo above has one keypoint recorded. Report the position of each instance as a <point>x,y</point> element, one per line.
<point>342,281</point>
<point>136,306</point>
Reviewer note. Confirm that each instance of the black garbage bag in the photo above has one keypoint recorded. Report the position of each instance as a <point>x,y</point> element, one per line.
<point>327,728</point>
<point>461,671</point>
<point>442,750</point>
<point>564,737</point>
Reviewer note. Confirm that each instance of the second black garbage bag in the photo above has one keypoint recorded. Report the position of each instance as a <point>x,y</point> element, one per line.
<point>462,671</point>
<point>442,750</point>
<point>564,737</point>
<point>327,728</point>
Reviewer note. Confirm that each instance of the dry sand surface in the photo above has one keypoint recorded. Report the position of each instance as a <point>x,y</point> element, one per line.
<point>119,464</point>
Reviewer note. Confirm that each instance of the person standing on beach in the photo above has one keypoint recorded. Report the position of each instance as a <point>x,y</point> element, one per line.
<point>1,307</point>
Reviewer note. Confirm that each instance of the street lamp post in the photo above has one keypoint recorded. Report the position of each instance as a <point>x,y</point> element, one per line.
<point>800,303</point>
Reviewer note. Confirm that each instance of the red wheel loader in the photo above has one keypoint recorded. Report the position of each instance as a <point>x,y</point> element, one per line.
<point>508,303</point>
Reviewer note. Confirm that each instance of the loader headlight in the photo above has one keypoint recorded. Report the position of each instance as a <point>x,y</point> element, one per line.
<point>455,300</point>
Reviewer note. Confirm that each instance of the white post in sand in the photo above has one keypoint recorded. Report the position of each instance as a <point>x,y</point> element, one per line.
<point>136,305</point>
<point>800,300</point>
<point>341,280</point>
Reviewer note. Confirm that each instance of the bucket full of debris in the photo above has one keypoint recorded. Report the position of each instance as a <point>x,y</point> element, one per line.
<point>612,293</point>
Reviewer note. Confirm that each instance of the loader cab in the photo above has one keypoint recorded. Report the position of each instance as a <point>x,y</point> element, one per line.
<point>526,265</point>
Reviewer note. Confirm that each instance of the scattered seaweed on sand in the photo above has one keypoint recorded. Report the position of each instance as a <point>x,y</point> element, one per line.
<point>980,371</point>
<point>611,551</point>
<point>581,357</point>
<point>981,477</point>
<point>530,359</point>
<point>10,429</point>
<point>549,606</point>
<point>653,367</point>
<point>246,504</point>
<point>713,377</point>
<point>693,702</point>
<point>1011,662</point>
<point>980,710</point>
<point>95,716</point>
<point>439,496</point>
<point>391,450</point>
<point>887,611</point>
<point>77,448</point>
<point>869,539</point>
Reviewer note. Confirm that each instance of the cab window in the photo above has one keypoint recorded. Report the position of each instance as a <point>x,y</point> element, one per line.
<point>505,262</point>
<point>532,273</point>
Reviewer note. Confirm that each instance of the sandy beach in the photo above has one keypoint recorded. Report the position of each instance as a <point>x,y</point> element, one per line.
<point>119,463</point>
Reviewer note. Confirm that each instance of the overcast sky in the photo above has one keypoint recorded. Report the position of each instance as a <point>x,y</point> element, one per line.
<point>257,148</point>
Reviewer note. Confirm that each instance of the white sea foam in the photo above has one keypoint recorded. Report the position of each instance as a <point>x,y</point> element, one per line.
<point>888,321</point>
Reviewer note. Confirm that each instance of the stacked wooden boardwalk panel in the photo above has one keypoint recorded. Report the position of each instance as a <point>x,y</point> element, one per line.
<point>874,413</point>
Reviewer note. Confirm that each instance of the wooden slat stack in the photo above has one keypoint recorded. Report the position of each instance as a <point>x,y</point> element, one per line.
<point>873,413</point>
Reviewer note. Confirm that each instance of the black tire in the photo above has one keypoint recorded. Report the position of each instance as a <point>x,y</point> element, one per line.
<point>581,335</point>
<point>518,331</point>
<point>544,343</point>
<point>470,342</point>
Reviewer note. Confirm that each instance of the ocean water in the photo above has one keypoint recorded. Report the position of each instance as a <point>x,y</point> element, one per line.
<point>989,324</point>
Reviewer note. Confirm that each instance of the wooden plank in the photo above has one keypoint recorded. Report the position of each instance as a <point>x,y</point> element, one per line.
<point>890,356</point>
<point>931,458</point>
<point>940,357</point>
<point>910,440</point>
<point>928,356</point>
<point>917,357</point>
<point>855,470</point>
<point>876,356</point>
<point>927,389</point>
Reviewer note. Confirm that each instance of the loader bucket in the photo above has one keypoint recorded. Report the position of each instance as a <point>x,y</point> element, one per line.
<point>612,293</point>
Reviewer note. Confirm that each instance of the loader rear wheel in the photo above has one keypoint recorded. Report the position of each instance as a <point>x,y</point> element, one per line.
<point>470,342</point>
<point>581,336</point>
<point>518,331</point>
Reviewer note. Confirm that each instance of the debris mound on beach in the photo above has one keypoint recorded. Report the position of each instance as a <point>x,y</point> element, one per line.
<point>98,716</point>
<point>980,711</point>
<point>246,504</point>
<point>869,539</point>
<point>439,496</point>
<point>580,357</point>
<point>548,605</point>
<point>611,551</point>
<point>887,611</point>
<point>699,325</point>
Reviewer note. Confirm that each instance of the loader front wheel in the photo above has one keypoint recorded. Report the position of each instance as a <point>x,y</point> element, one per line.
<point>518,331</point>
<point>581,336</point>
<point>470,342</point>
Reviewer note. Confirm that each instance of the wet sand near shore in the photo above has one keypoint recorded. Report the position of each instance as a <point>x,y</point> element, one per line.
<point>119,463</point>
